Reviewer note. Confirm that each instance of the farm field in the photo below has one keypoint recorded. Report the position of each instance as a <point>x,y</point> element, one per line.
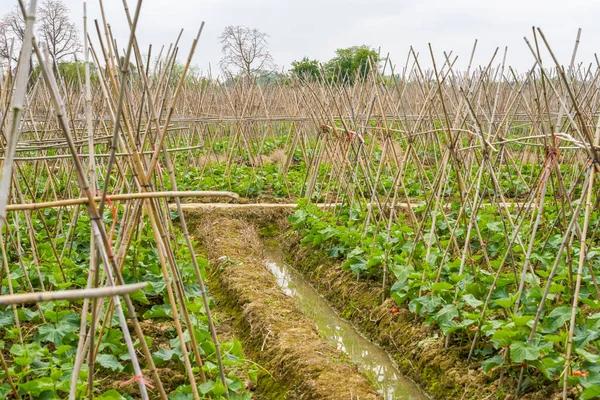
<point>408,233</point>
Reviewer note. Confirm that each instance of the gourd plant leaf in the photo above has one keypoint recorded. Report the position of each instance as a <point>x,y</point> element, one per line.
<point>55,333</point>
<point>492,362</point>
<point>521,351</point>
<point>557,318</point>
<point>109,361</point>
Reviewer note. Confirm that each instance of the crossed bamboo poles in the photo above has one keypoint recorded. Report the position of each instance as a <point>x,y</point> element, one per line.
<point>485,158</point>
<point>100,237</point>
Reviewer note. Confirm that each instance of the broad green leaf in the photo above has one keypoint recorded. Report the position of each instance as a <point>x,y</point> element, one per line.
<point>584,336</point>
<point>551,366</point>
<point>556,338</point>
<point>594,304</point>
<point>180,395</point>
<point>520,351</point>
<point>357,264</point>
<point>298,218</point>
<point>522,320</point>
<point>452,326</point>
<point>441,286</point>
<point>398,297</point>
<point>234,347</point>
<point>374,262</point>
<point>25,314</point>
<point>37,386</point>
<point>592,392</point>
<point>67,324</point>
<point>62,349</point>
<point>557,318</point>
<point>109,361</point>
<point>471,300</point>
<point>495,226</point>
<point>446,314</point>
<point>6,318</point>
<point>111,340</point>
<point>158,311</point>
<point>5,389</point>
<point>52,333</point>
<point>139,296</point>
<point>206,387</point>
<point>156,287</point>
<point>505,303</point>
<point>590,357</point>
<point>490,363</point>
<point>402,272</point>
<point>427,303</point>
<point>476,289</point>
<point>253,375</point>
<point>163,355</point>
<point>110,395</point>
<point>218,389</point>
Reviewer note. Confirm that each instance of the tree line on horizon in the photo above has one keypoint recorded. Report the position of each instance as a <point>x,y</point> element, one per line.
<point>246,56</point>
<point>245,53</point>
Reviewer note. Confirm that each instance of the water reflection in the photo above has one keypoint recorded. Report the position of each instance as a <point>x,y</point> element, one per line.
<point>371,359</point>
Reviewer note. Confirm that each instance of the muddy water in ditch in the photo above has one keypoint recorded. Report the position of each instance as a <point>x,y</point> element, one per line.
<point>370,358</point>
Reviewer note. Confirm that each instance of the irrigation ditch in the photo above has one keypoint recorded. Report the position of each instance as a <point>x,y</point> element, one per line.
<point>315,330</point>
<point>281,338</point>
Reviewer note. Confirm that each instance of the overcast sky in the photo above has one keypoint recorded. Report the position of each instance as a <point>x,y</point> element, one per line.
<point>316,29</point>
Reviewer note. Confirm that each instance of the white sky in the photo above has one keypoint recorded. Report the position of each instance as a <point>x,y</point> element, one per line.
<point>316,29</point>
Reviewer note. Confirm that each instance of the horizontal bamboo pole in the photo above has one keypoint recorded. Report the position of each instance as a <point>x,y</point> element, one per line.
<point>398,206</point>
<point>247,207</point>
<point>119,197</point>
<point>99,155</point>
<point>501,204</point>
<point>77,294</point>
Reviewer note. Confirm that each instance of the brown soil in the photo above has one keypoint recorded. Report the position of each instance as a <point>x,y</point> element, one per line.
<point>277,334</point>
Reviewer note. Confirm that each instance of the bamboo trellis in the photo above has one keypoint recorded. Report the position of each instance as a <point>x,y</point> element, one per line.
<point>452,143</point>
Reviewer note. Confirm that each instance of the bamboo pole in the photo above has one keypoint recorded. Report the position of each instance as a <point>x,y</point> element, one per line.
<point>70,295</point>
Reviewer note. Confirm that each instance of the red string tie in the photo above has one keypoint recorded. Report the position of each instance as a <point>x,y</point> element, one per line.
<point>138,378</point>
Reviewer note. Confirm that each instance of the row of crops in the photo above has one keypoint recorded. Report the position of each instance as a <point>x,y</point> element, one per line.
<point>40,342</point>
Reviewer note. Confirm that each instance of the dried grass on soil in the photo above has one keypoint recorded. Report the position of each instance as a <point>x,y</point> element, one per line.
<point>283,338</point>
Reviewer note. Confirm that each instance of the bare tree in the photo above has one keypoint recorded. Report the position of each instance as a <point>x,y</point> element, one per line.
<point>54,27</point>
<point>12,31</point>
<point>245,51</point>
<point>6,44</point>
<point>61,35</point>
